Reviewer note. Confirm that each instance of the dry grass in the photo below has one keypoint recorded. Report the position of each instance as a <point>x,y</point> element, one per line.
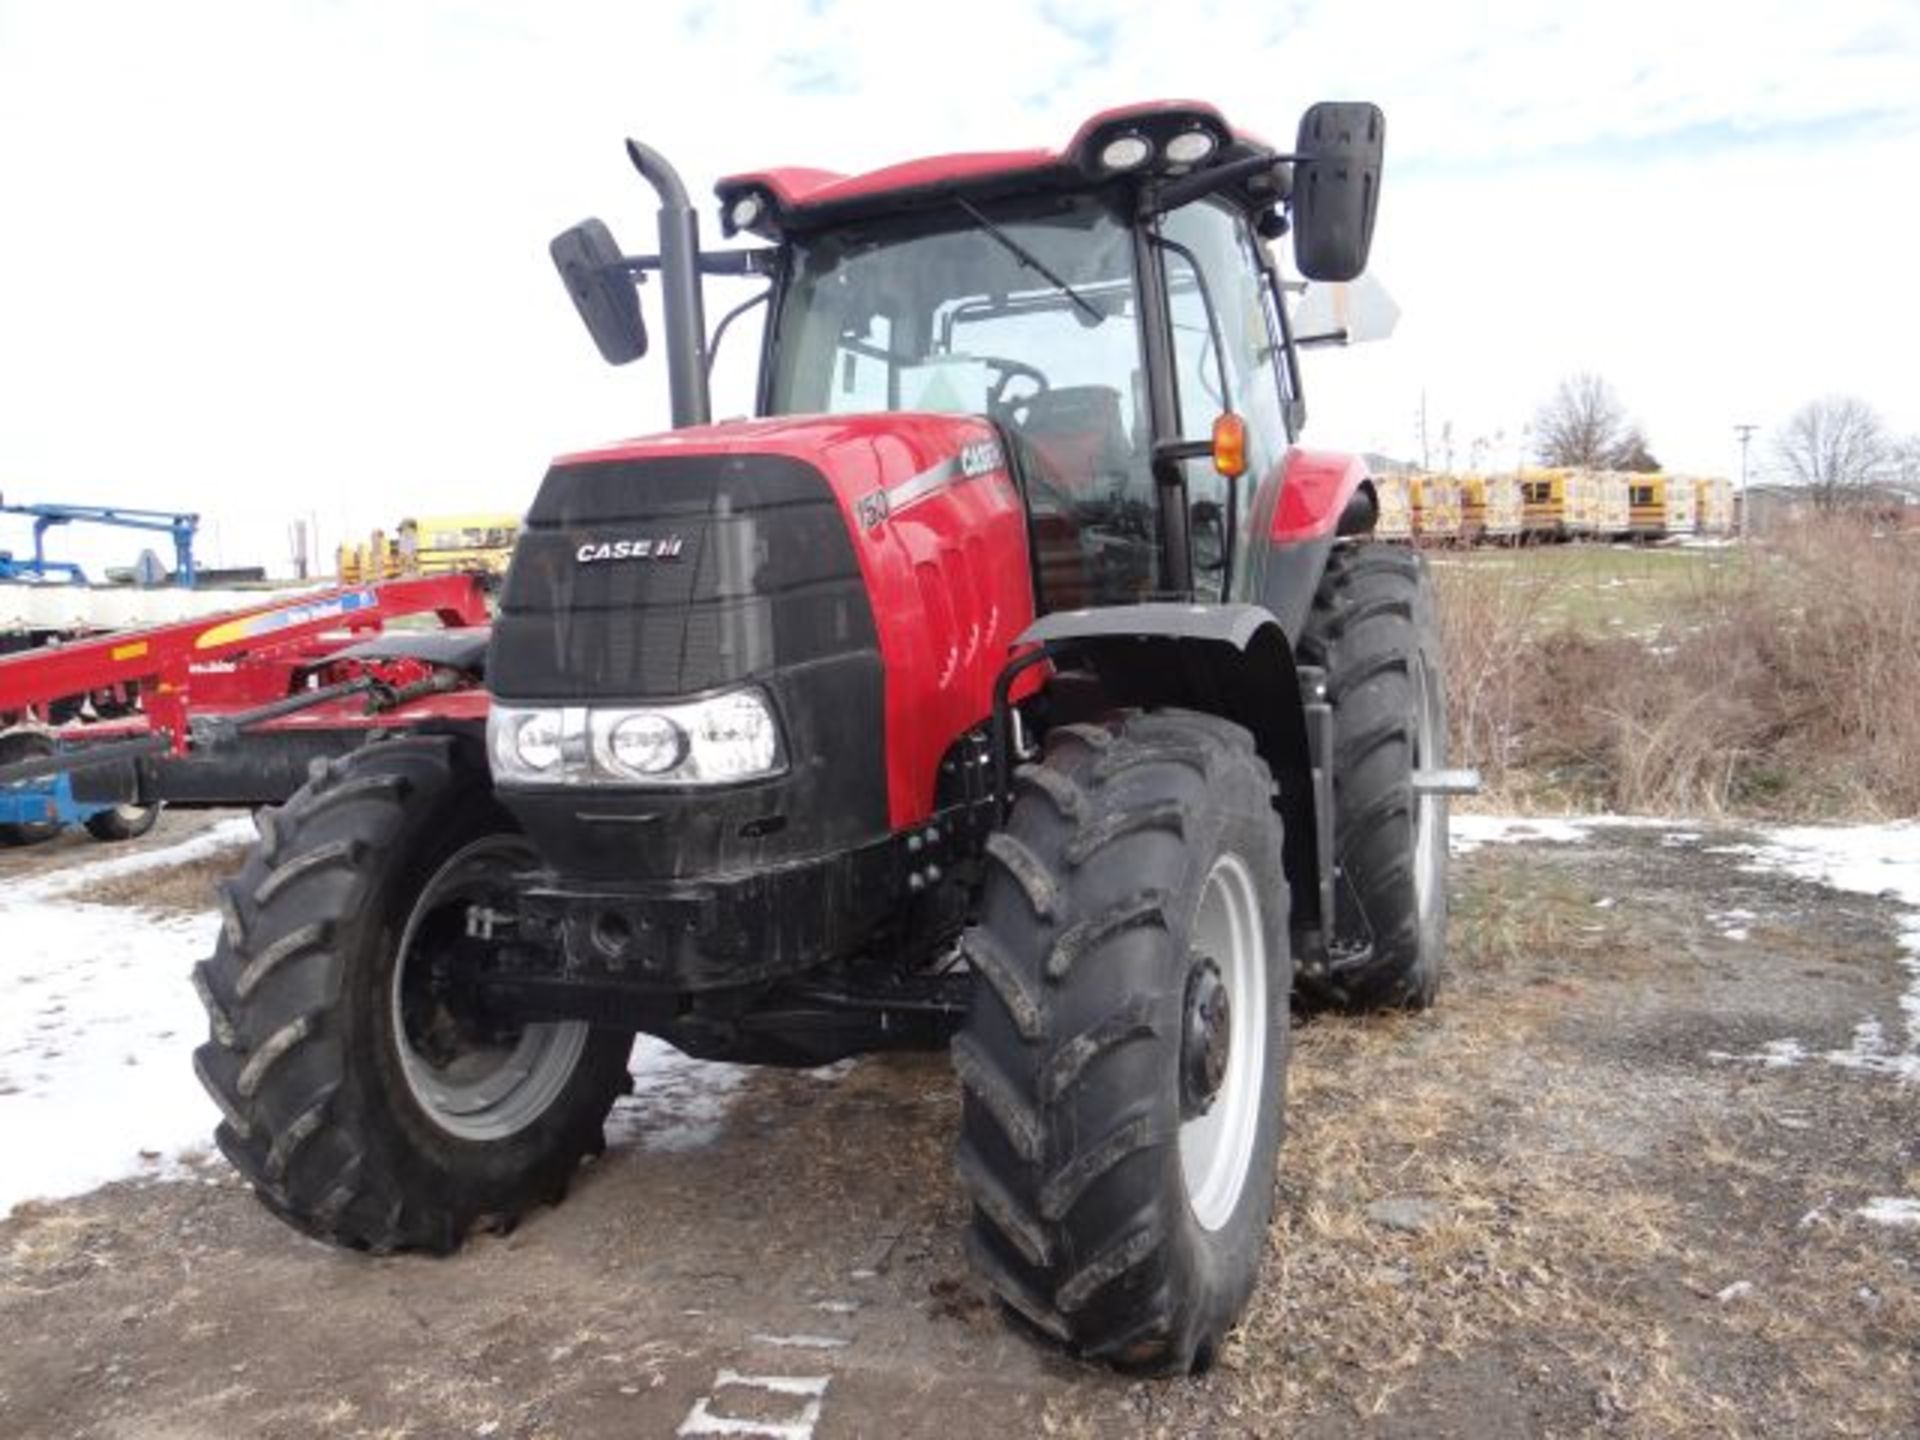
<point>1532,1247</point>
<point>1574,1257</point>
<point>177,889</point>
<point>1787,684</point>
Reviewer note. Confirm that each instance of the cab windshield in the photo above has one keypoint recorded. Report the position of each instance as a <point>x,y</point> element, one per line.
<point>1027,316</point>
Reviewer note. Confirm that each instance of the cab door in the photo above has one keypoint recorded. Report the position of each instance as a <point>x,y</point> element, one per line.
<point>1210,263</point>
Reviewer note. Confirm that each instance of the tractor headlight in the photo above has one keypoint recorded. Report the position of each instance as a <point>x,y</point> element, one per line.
<point>744,213</point>
<point>643,744</point>
<point>1190,147</point>
<point>712,741</point>
<point>533,742</point>
<point>1126,152</point>
<point>734,736</point>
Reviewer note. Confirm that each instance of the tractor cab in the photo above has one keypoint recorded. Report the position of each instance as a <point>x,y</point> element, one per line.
<point>1110,307</point>
<point>1033,318</point>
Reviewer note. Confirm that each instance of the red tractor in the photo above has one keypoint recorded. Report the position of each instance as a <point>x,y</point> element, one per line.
<point>1012,683</point>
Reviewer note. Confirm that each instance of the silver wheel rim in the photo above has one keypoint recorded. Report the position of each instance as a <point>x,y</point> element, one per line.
<point>1429,811</point>
<point>1216,1149</point>
<point>477,1090</point>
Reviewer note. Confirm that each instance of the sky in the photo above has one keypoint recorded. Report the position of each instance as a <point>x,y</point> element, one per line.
<point>274,260</point>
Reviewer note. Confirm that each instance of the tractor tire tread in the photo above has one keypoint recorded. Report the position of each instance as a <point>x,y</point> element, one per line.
<point>1371,629</point>
<point>1068,1149</point>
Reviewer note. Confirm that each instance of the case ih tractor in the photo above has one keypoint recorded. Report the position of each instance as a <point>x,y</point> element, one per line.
<point>1013,683</point>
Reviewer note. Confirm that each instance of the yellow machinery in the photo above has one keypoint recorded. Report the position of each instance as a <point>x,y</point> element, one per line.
<point>1661,505</point>
<point>477,544</point>
<point>1435,502</point>
<point>1396,507</point>
<point>368,564</point>
<point>1491,507</point>
<point>1543,503</point>
<point>1713,505</point>
<point>470,544</point>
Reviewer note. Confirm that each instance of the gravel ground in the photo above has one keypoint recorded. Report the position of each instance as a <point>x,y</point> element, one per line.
<point>1634,1177</point>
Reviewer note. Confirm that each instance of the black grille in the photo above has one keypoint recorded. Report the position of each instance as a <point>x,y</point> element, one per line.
<point>764,578</point>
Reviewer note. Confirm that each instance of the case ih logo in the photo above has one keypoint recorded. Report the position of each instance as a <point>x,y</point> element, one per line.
<point>979,458</point>
<point>667,547</point>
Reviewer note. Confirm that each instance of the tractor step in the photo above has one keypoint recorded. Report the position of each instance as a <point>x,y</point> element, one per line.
<point>1446,782</point>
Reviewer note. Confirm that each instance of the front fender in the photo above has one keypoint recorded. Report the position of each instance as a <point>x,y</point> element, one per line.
<point>1233,661</point>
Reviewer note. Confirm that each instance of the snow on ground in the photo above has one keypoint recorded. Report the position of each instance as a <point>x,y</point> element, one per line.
<point>1733,923</point>
<point>1468,832</point>
<point>1879,860</point>
<point>98,1023</point>
<point>1882,860</point>
<point>56,883</point>
<point>1891,1210</point>
<point>678,1103</point>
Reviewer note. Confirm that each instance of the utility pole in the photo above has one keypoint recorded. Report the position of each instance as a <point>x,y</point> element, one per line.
<point>1745,432</point>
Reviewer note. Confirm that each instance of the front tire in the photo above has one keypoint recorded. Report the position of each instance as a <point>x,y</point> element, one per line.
<point>367,1097</point>
<point>1124,1058</point>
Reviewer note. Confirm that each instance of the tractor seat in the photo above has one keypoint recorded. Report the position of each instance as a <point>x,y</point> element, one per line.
<point>1079,434</point>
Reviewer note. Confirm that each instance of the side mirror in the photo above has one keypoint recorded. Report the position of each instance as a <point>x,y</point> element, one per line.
<point>1336,188</point>
<point>593,270</point>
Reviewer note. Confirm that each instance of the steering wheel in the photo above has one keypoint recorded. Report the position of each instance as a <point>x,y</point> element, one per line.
<point>1008,371</point>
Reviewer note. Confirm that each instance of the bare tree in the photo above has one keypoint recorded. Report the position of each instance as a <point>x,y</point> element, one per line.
<point>1905,464</point>
<point>1585,425</point>
<point>1835,447</point>
<point>1630,452</point>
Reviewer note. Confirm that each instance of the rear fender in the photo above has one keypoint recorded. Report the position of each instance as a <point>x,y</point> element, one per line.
<point>1233,661</point>
<point>1315,498</point>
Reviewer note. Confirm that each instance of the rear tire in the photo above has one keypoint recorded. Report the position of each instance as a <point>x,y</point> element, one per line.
<point>1124,1085</point>
<point>1373,630</point>
<point>366,1104</point>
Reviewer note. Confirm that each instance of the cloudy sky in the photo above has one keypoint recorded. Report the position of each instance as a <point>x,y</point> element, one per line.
<point>267,259</point>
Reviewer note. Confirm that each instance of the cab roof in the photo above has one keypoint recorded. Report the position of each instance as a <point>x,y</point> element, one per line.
<point>797,197</point>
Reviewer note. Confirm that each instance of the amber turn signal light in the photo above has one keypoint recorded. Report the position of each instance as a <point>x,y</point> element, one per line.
<point>1230,445</point>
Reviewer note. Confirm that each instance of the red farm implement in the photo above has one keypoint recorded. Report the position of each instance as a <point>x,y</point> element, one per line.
<point>229,709</point>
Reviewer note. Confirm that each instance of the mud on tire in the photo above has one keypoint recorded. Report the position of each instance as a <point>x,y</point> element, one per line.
<point>305,1058</point>
<point>1374,631</point>
<point>1074,1060</point>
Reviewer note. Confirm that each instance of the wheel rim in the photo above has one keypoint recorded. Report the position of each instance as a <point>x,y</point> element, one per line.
<point>1216,1148</point>
<point>1429,811</point>
<point>475,1080</point>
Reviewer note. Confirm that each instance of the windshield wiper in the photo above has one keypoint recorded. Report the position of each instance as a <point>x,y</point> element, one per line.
<point>1027,258</point>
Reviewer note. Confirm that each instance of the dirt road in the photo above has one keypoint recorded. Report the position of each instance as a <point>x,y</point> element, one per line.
<point>1645,1172</point>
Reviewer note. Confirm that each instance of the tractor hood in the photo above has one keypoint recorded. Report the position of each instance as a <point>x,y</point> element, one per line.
<point>856,453</point>
<point>758,552</point>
